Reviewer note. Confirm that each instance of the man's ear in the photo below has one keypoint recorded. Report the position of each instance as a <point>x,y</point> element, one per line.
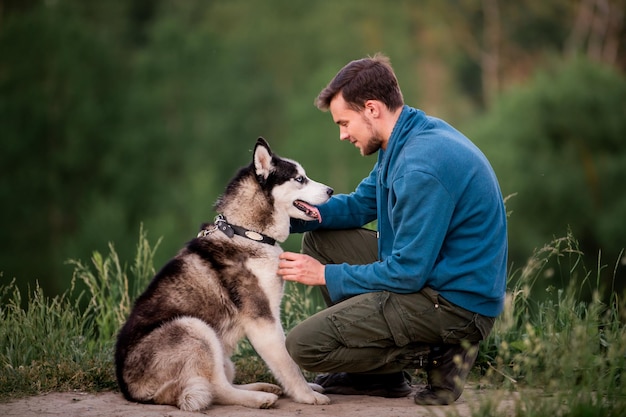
<point>262,159</point>
<point>372,108</point>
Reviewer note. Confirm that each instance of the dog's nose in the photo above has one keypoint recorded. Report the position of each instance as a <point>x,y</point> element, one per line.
<point>329,191</point>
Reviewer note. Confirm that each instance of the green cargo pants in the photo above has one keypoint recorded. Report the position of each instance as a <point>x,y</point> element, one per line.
<point>378,332</point>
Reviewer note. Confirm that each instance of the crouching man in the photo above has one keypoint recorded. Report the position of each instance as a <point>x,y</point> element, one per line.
<point>423,290</point>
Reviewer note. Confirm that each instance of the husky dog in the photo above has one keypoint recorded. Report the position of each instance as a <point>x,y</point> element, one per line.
<point>176,345</point>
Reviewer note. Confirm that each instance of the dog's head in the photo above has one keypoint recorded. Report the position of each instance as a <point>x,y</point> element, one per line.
<point>288,185</point>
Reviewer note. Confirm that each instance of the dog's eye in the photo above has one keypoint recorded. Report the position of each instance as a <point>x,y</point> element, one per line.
<point>299,179</point>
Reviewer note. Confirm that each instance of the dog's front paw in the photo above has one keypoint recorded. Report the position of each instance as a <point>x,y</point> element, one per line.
<point>320,399</point>
<point>312,397</point>
<point>267,400</point>
<point>274,389</point>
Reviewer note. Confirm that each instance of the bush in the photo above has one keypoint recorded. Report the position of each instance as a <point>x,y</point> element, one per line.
<point>557,143</point>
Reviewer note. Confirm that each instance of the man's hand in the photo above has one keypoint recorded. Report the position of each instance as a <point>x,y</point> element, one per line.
<point>301,268</point>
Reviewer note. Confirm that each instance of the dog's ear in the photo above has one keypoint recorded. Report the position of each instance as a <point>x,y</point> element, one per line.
<point>262,159</point>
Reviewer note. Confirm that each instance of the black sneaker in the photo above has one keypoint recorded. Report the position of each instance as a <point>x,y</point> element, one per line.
<point>378,385</point>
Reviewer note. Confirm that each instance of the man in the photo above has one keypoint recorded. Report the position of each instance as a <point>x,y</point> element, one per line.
<point>425,289</point>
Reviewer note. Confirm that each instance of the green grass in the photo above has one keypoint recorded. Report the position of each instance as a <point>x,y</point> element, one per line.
<point>567,356</point>
<point>562,351</point>
<point>49,346</point>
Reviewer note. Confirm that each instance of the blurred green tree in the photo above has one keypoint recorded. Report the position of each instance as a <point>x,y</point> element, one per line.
<point>59,102</point>
<point>557,142</point>
<point>128,111</point>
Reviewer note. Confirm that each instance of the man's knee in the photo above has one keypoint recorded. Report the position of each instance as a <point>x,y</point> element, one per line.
<point>312,245</point>
<point>291,343</point>
<point>302,350</point>
<point>353,246</point>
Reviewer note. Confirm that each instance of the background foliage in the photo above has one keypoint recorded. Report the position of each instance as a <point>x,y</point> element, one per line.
<point>564,160</point>
<point>128,111</point>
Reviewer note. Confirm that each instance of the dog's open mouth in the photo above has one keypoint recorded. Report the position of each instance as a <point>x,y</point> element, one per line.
<point>308,209</point>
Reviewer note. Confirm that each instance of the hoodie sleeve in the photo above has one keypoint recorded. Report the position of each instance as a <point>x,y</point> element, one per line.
<point>420,209</point>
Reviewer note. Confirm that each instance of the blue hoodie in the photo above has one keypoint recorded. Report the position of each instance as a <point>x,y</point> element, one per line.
<point>441,219</point>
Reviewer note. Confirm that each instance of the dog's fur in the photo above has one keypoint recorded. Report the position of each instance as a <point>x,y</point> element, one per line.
<point>176,345</point>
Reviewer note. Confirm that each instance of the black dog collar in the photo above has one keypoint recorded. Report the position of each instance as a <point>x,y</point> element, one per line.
<point>231,230</point>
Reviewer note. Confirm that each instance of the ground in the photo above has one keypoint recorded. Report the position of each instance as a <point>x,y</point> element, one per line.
<point>112,404</point>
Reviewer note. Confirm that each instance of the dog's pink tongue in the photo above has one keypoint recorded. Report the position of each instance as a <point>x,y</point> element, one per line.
<point>315,213</point>
<point>310,210</point>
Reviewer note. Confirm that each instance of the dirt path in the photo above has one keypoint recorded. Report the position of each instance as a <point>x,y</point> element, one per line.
<point>111,404</point>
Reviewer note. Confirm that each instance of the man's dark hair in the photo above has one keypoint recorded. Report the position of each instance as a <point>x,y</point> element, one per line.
<point>365,79</point>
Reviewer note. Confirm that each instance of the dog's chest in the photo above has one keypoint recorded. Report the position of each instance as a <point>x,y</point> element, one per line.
<point>264,269</point>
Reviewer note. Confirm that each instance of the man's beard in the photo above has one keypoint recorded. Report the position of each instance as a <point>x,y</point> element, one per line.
<point>372,146</point>
<point>374,143</point>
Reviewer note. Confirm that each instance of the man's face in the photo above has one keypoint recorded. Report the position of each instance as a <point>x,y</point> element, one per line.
<point>355,126</point>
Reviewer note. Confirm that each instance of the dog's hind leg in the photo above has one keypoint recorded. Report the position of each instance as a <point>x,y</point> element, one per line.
<point>261,386</point>
<point>184,357</point>
<point>232,395</point>
<point>227,393</point>
<point>216,370</point>
<point>229,370</point>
